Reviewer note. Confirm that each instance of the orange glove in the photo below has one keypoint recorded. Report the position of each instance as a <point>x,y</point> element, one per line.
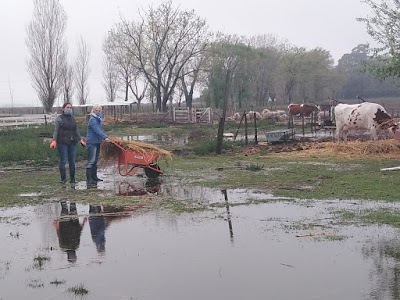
<point>53,144</point>
<point>83,143</point>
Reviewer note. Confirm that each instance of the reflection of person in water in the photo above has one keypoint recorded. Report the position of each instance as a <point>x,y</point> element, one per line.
<point>99,220</point>
<point>98,226</point>
<point>69,230</point>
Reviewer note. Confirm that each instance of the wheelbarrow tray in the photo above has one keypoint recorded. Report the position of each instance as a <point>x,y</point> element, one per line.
<point>130,161</point>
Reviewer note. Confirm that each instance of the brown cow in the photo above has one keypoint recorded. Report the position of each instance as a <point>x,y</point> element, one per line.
<point>302,109</point>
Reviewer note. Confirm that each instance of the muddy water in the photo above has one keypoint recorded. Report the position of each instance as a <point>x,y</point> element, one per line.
<point>231,252</point>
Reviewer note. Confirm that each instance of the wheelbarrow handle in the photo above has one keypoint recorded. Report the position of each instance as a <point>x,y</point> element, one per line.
<point>116,144</point>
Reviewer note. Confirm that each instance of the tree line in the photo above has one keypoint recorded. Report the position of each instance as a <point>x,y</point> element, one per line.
<point>168,55</point>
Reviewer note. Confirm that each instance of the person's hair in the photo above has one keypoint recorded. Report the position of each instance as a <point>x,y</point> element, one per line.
<point>96,107</point>
<point>66,103</point>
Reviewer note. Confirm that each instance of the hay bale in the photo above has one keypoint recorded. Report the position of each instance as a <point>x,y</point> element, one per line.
<point>109,152</point>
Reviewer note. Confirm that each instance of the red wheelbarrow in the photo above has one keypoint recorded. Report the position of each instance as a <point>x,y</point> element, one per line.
<point>129,162</point>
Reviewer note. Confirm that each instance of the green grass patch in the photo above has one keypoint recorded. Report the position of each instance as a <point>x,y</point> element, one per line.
<point>385,216</point>
<point>28,144</point>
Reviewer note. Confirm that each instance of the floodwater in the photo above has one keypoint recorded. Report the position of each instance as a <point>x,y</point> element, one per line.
<point>276,249</point>
<point>160,138</point>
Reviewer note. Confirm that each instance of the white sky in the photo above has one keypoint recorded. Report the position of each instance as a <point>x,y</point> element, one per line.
<point>329,24</point>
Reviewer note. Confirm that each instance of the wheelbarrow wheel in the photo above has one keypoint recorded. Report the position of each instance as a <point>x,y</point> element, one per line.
<point>152,173</point>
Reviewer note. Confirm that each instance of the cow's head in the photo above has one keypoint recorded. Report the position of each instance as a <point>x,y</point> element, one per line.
<point>392,126</point>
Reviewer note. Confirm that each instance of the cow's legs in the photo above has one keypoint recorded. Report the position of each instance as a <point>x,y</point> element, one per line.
<point>374,134</point>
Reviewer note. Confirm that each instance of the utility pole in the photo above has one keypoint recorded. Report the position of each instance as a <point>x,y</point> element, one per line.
<point>11,95</point>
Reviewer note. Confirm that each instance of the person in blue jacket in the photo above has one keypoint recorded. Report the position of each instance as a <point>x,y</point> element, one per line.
<point>94,136</point>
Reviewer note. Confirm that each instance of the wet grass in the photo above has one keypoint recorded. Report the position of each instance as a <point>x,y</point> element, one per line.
<point>36,283</point>
<point>377,216</point>
<point>299,178</point>
<point>57,282</point>
<point>314,177</point>
<point>334,237</point>
<point>254,167</point>
<point>183,206</point>
<point>39,261</point>
<point>79,291</point>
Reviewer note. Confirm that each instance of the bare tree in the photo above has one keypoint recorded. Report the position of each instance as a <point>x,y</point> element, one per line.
<point>115,48</point>
<point>190,77</point>
<point>110,78</point>
<point>139,86</point>
<point>110,72</point>
<point>48,50</point>
<point>67,79</point>
<point>82,70</point>
<point>163,41</point>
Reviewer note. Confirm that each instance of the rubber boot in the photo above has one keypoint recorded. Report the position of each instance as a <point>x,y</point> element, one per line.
<point>64,208</point>
<point>92,209</point>
<point>72,175</point>
<point>95,174</point>
<point>72,209</point>
<point>63,175</point>
<point>89,178</point>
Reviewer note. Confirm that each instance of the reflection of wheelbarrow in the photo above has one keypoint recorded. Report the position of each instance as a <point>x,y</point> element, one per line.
<point>152,186</point>
<point>129,162</point>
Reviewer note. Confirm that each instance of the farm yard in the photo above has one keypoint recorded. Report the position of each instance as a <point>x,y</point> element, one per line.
<point>244,224</point>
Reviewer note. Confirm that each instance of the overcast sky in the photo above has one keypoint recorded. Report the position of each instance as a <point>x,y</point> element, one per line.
<point>329,24</point>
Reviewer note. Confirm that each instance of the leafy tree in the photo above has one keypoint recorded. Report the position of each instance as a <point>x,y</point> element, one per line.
<point>316,74</point>
<point>290,68</point>
<point>354,67</point>
<point>228,53</point>
<point>384,27</point>
<point>47,49</point>
<point>264,67</point>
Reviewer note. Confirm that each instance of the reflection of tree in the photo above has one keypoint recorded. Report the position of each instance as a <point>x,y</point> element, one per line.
<point>385,255</point>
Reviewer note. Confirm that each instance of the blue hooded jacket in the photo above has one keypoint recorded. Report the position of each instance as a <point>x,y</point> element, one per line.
<point>95,134</point>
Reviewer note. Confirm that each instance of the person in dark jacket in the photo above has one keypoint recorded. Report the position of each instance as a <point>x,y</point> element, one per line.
<point>65,138</point>
<point>95,135</point>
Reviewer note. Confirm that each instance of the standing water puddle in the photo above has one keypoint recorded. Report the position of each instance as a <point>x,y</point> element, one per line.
<point>262,251</point>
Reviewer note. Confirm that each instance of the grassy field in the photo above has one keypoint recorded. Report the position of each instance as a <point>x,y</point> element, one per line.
<point>29,167</point>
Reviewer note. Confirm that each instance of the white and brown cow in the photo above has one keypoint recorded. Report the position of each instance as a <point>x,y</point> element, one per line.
<point>367,116</point>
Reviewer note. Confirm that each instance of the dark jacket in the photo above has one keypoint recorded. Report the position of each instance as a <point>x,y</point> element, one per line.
<point>66,130</point>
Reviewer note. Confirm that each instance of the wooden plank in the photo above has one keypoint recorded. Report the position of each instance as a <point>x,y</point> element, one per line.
<point>390,169</point>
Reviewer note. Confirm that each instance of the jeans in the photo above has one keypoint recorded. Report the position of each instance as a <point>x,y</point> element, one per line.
<point>93,152</point>
<point>67,151</point>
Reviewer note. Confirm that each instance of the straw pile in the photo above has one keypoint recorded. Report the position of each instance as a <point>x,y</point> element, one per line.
<point>369,147</point>
<point>109,152</point>
<point>380,148</point>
